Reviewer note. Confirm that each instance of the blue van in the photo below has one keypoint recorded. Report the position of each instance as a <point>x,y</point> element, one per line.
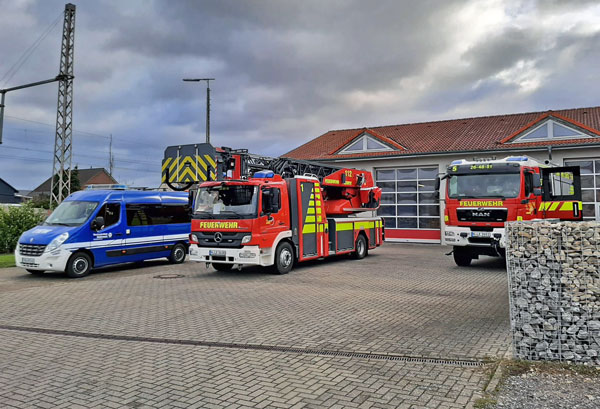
<point>95,228</point>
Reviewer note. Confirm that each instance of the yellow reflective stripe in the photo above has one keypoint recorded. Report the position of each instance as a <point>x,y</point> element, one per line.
<point>211,161</point>
<point>311,202</point>
<point>309,228</point>
<point>519,218</point>
<point>318,203</point>
<point>309,219</point>
<point>310,210</point>
<point>319,219</point>
<point>166,163</point>
<point>364,225</point>
<point>554,206</point>
<point>321,228</point>
<point>343,226</point>
<point>318,210</point>
<point>446,218</point>
<point>201,162</point>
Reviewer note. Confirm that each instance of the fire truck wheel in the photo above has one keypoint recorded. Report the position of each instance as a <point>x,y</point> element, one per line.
<point>222,267</point>
<point>79,265</point>
<point>284,258</point>
<point>361,247</point>
<point>462,257</point>
<point>177,254</point>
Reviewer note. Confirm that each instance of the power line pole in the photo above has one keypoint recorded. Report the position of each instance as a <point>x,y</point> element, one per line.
<point>63,147</point>
<point>207,102</point>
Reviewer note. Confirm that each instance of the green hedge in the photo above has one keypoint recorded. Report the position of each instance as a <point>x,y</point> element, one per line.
<point>14,220</point>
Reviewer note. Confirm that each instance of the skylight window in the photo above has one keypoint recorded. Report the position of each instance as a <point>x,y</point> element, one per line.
<point>365,143</point>
<point>550,130</point>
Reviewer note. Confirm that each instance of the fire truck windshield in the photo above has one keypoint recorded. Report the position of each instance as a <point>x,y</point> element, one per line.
<point>227,202</point>
<point>494,185</point>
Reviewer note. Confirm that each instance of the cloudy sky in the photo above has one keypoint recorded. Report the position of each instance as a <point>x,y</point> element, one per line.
<point>286,72</point>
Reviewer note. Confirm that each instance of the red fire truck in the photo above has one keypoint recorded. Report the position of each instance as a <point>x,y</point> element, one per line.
<point>482,195</point>
<point>255,210</point>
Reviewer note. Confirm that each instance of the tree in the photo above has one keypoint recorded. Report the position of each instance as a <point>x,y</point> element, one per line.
<point>75,183</point>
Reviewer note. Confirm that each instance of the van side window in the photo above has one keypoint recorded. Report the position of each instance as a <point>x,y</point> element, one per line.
<point>111,213</point>
<point>154,214</point>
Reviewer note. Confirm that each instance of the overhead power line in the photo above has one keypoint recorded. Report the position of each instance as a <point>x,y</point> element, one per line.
<point>28,52</point>
<point>83,164</point>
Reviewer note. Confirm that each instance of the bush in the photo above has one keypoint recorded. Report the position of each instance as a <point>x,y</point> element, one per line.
<point>14,220</point>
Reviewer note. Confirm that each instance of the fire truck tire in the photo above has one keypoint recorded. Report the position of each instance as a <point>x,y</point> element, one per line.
<point>177,254</point>
<point>284,258</point>
<point>222,267</point>
<point>362,248</point>
<point>462,257</point>
<point>79,265</point>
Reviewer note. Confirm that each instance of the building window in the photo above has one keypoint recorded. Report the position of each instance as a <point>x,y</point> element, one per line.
<point>590,185</point>
<point>550,130</point>
<point>408,199</point>
<point>364,143</point>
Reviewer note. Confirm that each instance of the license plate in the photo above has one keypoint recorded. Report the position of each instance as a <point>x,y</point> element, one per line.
<point>216,252</point>
<point>28,260</point>
<point>481,234</point>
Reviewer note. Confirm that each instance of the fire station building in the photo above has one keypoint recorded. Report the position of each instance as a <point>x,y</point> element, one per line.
<point>405,159</point>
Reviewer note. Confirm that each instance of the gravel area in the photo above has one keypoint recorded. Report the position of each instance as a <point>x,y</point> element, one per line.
<point>550,390</point>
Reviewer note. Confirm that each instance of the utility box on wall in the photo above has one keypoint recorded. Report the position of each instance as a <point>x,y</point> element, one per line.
<point>554,289</point>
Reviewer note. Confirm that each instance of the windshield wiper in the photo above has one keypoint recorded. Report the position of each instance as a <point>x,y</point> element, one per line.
<point>203,214</point>
<point>58,224</point>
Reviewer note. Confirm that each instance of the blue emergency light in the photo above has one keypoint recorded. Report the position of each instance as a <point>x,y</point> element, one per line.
<point>264,174</point>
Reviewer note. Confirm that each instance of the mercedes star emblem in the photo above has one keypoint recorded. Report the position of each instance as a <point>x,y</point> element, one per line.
<point>218,237</point>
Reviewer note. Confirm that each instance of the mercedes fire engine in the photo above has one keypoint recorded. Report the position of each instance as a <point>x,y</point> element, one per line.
<point>482,195</point>
<point>256,210</point>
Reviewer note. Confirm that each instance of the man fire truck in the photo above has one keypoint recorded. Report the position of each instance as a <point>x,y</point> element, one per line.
<point>482,195</point>
<point>255,210</point>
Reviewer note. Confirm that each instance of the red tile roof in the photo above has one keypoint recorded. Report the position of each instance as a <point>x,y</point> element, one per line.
<point>486,133</point>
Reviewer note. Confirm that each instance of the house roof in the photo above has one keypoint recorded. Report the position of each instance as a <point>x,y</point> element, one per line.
<point>8,185</point>
<point>488,133</point>
<point>84,177</point>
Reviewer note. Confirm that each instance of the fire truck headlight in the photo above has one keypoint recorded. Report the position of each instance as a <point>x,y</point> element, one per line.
<point>246,239</point>
<point>193,238</point>
<point>449,233</point>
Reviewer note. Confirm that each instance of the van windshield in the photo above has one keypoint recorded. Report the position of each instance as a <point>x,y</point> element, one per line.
<point>227,202</point>
<point>71,213</point>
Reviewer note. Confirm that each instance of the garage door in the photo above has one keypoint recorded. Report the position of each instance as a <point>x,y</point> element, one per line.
<point>409,204</point>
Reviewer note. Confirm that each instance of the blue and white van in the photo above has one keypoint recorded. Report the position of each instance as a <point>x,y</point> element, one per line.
<point>95,228</point>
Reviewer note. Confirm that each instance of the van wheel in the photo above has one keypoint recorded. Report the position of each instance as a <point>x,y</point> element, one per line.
<point>177,254</point>
<point>222,267</point>
<point>35,272</point>
<point>284,258</point>
<point>361,247</point>
<point>79,265</point>
<point>462,257</point>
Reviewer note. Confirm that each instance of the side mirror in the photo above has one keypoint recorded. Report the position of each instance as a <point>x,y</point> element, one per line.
<point>191,202</point>
<point>537,191</point>
<point>275,200</point>
<point>537,181</point>
<point>97,223</point>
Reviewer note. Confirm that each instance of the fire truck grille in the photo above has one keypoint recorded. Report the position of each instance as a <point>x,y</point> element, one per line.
<point>482,215</point>
<point>34,250</point>
<point>228,239</point>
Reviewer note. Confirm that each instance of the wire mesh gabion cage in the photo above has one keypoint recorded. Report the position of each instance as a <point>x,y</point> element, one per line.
<point>554,290</point>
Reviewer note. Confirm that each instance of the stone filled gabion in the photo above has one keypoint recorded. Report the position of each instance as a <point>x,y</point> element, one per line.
<point>554,289</point>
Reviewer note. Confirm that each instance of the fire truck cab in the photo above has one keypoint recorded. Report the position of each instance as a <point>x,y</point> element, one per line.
<point>482,195</point>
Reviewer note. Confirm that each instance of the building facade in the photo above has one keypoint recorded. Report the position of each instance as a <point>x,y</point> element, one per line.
<point>406,159</point>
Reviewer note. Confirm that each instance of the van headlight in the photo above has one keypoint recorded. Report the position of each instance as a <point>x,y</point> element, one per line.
<point>54,244</point>
<point>246,239</point>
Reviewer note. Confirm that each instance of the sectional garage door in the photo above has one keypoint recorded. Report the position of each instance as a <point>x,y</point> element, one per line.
<point>409,205</point>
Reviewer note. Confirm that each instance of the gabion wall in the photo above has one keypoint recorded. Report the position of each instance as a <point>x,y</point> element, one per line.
<point>554,289</point>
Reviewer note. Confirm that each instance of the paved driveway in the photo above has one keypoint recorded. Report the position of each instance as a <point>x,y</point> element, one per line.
<point>402,327</point>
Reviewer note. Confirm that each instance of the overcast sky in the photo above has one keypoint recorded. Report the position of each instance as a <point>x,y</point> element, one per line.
<point>286,72</point>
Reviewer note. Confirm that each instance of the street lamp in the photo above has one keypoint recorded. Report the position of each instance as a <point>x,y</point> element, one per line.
<point>207,102</point>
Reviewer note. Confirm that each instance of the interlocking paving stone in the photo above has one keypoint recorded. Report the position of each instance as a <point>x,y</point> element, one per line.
<point>402,299</point>
<point>109,373</point>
